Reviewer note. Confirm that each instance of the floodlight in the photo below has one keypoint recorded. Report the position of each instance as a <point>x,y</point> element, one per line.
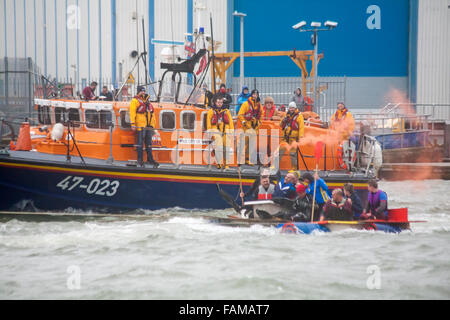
<point>239,14</point>
<point>299,25</point>
<point>331,24</point>
<point>316,24</point>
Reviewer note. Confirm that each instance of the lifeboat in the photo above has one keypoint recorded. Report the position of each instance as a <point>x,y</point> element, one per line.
<point>83,156</point>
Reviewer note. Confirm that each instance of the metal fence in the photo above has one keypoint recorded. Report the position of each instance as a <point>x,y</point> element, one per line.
<point>281,89</point>
<point>434,111</point>
<point>17,80</point>
<point>69,89</point>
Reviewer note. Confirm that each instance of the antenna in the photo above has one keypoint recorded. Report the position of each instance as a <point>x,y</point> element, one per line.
<point>137,41</point>
<point>212,51</point>
<point>144,58</point>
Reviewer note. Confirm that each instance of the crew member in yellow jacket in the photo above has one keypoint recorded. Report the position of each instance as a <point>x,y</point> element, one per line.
<point>342,121</point>
<point>220,124</point>
<point>143,122</point>
<point>250,118</point>
<point>293,129</point>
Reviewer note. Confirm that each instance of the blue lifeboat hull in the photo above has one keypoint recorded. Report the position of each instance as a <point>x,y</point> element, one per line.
<point>54,184</point>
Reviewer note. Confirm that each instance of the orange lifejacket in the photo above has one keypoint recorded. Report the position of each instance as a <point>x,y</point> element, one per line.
<point>253,111</point>
<point>291,122</point>
<point>268,116</point>
<point>143,107</point>
<point>340,157</point>
<point>343,115</point>
<point>309,104</point>
<point>219,117</point>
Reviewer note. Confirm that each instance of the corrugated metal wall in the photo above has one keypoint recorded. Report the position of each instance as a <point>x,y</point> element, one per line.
<point>83,51</point>
<point>433,53</point>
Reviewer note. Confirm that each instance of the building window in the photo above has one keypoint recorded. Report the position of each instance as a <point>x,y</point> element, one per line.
<point>168,120</point>
<point>188,120</point>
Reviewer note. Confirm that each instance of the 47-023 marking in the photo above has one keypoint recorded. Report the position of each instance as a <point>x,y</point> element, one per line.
<point>96,186</point>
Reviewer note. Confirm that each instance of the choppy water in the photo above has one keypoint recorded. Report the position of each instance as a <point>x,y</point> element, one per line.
<point>177,255</point>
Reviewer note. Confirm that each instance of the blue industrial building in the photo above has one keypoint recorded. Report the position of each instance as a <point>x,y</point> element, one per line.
<point>371,39</point>
<point>378,45</point>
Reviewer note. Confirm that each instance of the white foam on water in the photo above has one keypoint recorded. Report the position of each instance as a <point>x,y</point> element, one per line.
<point>177,254</point>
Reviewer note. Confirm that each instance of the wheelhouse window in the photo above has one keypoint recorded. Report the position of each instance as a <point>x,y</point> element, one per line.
<point>167,120</point>
<point>74,116</point>
<point>44,115</point>
<point>98,119</point>
<point>63,115</point>
<point>188,120</point>
<point>106,119</point>
<point>60,115</point>
<point>125,122</point>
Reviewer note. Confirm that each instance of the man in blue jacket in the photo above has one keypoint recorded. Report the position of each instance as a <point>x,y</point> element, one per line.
<point>243,97</point>
<point>285,187</point>
<point>322,192</point>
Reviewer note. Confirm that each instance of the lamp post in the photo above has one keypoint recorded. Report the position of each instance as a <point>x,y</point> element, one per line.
<point>315,28</point>
<point>241,76</point>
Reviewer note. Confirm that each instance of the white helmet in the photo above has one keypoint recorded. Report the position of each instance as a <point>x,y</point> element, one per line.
<point>292,105</point>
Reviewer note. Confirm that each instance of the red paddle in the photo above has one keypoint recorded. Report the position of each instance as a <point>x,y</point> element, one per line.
<point>318,152</point>
<point>318,156</point>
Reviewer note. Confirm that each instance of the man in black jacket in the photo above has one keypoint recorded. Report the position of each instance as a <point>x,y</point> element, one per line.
<point>357,207</point>
<point>303,205</point>
<point>223,92</point>
<point>338,208</point>
<point>106,95</point>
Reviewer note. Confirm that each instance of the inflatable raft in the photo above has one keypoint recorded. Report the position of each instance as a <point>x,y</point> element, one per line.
<point>396,223</point>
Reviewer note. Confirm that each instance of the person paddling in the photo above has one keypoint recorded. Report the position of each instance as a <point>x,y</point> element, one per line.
<point>286,187</point>
<point>377,204</point>
<point>357,206</point>
<point>303,205</point>
<point>262,188</point>
<point>337,208</point>
<point>322,194</point>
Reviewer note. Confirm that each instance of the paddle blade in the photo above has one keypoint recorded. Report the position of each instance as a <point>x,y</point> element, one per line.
<point>318,151</point>
<point>229,199</point>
